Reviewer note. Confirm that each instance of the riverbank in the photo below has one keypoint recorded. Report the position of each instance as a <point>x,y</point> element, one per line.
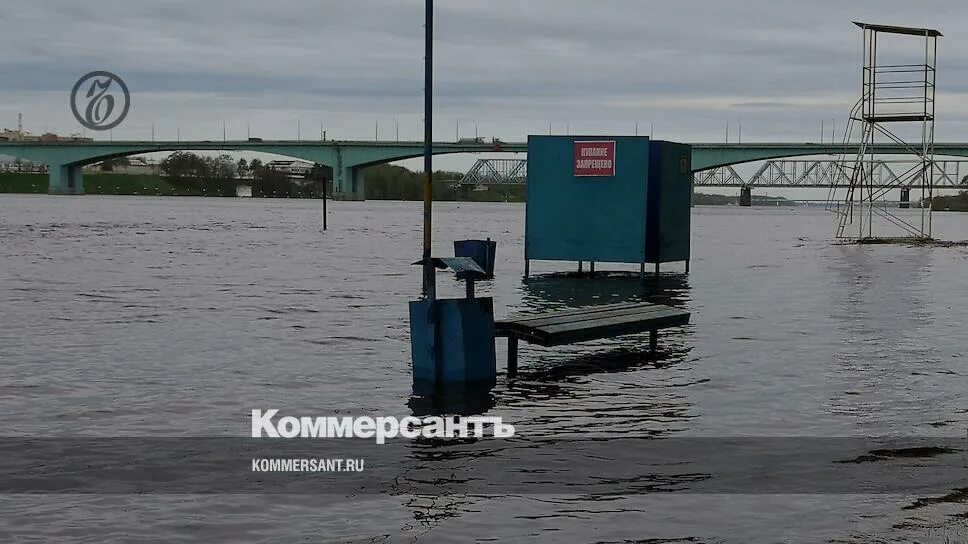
<point>382,183</point>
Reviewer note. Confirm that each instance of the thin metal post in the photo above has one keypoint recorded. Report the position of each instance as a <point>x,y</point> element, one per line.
<point>653,340</point>
<point>512,356</point>
<point>324,203</point>
<point>429,287</point>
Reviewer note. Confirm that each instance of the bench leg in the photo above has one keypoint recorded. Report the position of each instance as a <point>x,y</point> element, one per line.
<point>512,356</point>
<point>653,339</point>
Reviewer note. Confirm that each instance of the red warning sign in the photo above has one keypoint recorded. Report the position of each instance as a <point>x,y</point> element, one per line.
<point>595,158</point>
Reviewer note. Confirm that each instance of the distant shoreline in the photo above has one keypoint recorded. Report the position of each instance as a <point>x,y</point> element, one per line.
<point>107,183</point>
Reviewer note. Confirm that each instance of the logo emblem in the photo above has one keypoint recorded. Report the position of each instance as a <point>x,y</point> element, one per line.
<point>100,100</point>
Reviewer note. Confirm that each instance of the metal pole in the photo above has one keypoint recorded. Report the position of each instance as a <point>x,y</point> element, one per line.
<point>429,288</point>
<point>324,203</point>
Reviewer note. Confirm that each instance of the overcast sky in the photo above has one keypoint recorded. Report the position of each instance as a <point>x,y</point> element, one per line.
<point>510,67</point>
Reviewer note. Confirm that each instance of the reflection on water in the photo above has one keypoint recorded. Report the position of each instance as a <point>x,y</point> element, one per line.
<point>881,311</point>
<point>155,317</point>
<point>454,399</point>
<point>570,290</point>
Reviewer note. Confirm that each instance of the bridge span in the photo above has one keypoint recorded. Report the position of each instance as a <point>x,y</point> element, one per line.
<point>65,159</point>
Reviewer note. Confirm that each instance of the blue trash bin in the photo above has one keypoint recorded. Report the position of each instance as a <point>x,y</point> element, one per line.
<point>482,251</point>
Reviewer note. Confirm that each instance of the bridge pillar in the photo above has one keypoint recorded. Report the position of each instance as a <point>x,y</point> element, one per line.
<point>348,183</point>
<point>746,196</point>
<point>905,198</point>
<point>65,179</point>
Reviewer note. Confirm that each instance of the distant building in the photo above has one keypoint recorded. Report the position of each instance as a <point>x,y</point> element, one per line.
<point>7,135</point>
<point>294,169</point>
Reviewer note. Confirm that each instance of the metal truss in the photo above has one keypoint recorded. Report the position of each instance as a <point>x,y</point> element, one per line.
<point>827,174</point>
<point>723,176</point>
<point>497,172</point>
<point>793,173</point>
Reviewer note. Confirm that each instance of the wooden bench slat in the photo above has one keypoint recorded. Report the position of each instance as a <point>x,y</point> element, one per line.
<point>574,311</point>
<point>607,328</point>
<point>542,321</point>
<point>592,323</point>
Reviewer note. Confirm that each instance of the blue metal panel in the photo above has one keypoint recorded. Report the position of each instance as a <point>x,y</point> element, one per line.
<point>482,251</point>
<point>586,218</point>
<point>461,349</point>
<point>670,195</point>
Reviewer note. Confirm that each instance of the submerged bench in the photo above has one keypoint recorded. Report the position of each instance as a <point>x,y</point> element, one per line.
<point>589,323</point>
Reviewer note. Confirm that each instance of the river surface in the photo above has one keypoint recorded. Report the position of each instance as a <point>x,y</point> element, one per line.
<point>146,317</point>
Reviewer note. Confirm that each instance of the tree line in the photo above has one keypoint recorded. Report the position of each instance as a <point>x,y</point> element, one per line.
<point>391,182</point>
<point>191,173</point>
<point>223,174</point>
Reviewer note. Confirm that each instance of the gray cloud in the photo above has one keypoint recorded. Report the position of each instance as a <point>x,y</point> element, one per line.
<point>510,67</point>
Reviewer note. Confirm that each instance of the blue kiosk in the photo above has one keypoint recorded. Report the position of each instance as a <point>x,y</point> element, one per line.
<point>616,199</point>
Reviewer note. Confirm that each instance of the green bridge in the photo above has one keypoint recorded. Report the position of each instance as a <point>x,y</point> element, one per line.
<point>65,159</point>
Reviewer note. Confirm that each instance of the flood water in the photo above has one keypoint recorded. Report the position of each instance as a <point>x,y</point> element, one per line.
<point>147,317</point>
